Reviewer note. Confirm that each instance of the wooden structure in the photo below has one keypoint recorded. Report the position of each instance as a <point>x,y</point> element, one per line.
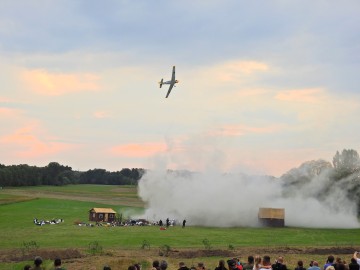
<point>272,217</point>
<point>102,215</point>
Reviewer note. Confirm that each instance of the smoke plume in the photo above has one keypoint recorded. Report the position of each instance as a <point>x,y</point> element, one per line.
<point>227,200</point>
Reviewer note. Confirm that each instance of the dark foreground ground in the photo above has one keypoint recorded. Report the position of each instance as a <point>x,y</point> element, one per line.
<point>77,259</point>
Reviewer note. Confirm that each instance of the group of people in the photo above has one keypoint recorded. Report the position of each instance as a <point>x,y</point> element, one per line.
<point>253,263</point>
<point>264,263</point>
<point>41,222</point>
<point>38,265</point>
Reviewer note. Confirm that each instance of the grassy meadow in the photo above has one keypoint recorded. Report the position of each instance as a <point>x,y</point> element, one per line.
<point>19,206</point>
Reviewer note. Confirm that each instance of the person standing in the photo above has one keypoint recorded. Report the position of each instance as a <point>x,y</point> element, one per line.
<point>356,253</point>
<point>221,266</point>
<point>250,264</point>
<point>182,266</point>
<point>37,264</point>
<point>354,265</point>
<point>57,264</point>
<point>300,266</point>
<point>257,262</point>
<point>279,264</point>
<point>329,262</point>
<point>314,266</point>
<point>266,263</point>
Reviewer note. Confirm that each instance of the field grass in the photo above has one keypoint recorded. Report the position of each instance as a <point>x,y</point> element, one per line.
<point>19,206</point>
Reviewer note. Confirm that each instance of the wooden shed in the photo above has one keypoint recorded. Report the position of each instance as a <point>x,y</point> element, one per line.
<point>102,215</point>
<point>272,217</point>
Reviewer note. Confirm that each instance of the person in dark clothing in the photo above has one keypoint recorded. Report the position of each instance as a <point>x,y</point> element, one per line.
<point>339,264</point>
<point>279,264</point>
<point>250,264</point>
<point>232,264</point>
<point>182,266</point>
<point>57,264</point>
<point>160,223</point>
<point>155,265</point>
<point>184,222</point>
<point>300,266</point>
<point>221,265</point>
<point>37,264</point>
<point>163,265</point>
<point>354,265</point>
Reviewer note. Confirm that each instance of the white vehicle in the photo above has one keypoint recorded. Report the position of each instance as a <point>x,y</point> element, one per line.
<point>172,82</point>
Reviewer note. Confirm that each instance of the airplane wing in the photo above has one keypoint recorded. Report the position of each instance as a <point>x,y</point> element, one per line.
<point>173,74</point>
<point>171,86</point>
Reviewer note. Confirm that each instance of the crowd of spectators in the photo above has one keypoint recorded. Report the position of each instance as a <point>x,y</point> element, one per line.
<point>253,263</point>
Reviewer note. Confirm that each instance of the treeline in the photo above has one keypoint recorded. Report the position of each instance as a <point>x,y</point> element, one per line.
<point>322,180</point>
<point>57,175</point>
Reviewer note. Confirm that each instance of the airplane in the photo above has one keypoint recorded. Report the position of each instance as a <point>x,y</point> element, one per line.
<point>172,82</point>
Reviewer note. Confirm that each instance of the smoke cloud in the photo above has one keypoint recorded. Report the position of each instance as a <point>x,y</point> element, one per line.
<point>227,200</point>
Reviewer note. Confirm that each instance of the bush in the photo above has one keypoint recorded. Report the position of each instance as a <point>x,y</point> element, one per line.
<point>95,248</point>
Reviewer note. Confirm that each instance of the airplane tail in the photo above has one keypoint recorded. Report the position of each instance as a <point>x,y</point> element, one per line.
<point>161,82</point>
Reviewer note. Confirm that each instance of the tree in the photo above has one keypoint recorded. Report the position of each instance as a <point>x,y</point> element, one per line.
<point>346,163</point>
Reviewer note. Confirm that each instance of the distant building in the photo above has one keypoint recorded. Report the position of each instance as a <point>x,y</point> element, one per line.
<point>102,215</point>
<point>272,217</point>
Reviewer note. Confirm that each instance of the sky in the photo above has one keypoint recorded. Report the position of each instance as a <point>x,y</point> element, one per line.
<point>264,85</point>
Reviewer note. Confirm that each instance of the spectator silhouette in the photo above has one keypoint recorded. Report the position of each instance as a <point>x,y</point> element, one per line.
<point>266,263</point>
<point>314,266</point>
<point>155,265</point>
<point>163,265</point>
<point>57,264</point>
<point>329,262</point>
<point>279,264</point>
<point>300,265</point>
<point>250,263</point>
<point>354,265</point>
<point>37,264</point>
<point>221,265</point>
<point>182,266</point>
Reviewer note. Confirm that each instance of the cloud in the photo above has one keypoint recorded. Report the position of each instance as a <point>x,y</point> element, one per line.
<point>101,114</point>
<point>311,95</point>
<point>235,70</point>
<point>30,141</point>
<point>240,130</point>
<point>54,84</point>
<point>9,112</point>
<point>139,149</point>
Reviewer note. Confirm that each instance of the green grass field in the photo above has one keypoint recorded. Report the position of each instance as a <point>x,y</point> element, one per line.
<point>19,206</point>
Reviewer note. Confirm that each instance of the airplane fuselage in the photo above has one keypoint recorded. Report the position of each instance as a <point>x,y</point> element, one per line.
<point>170,82</point>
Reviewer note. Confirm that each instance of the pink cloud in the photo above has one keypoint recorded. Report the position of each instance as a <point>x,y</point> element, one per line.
<point>139,149</point>
<point>25,142</point>
<point>54,84</point>
<point>101,114</point>
<point>240,130</point>
<point>230,71</point>
<point>9,112</point>
<point>311,95</point>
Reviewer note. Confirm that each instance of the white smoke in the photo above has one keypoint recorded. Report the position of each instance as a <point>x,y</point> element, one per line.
<point>226,200</point>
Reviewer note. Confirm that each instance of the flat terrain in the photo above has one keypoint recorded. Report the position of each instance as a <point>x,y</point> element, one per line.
<point>84,247</point>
